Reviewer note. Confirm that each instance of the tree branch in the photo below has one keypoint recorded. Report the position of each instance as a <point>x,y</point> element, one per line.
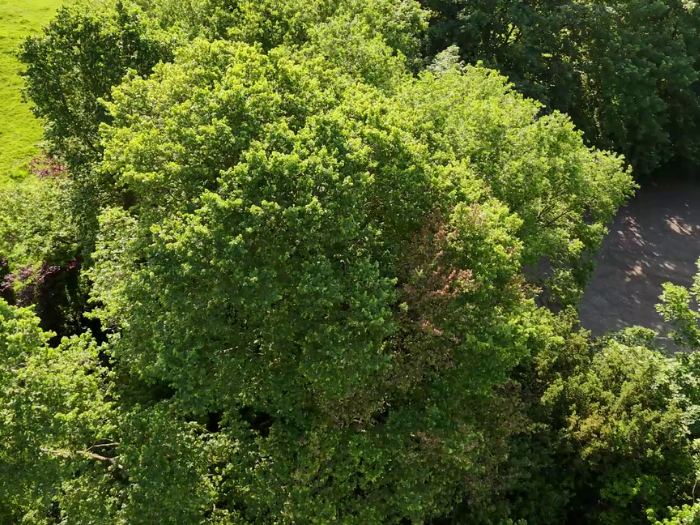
<point>84,453</point>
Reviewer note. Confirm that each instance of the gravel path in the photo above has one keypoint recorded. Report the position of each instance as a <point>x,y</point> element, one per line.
<point>653,240</point>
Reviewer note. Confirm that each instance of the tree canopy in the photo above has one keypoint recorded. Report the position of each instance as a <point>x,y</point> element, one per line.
<point>626,71</point>
<point>283,267</point>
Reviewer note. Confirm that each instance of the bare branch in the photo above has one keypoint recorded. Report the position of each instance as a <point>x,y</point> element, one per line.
<point>105,445</point>
<point>84,453</point>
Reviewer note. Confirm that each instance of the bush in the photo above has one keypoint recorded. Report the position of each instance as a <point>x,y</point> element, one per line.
<point>40,251</point>
<point>610,436</point>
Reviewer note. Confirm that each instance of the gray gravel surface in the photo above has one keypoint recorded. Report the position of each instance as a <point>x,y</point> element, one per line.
<point>653,240</point>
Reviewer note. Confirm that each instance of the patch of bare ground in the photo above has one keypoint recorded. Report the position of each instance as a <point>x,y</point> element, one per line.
<point>653,240</point>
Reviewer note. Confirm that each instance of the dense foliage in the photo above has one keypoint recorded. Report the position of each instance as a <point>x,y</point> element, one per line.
<point>626,71</point>
<point>71,68</point>
<point>39,253</point>
<point>275,271</point>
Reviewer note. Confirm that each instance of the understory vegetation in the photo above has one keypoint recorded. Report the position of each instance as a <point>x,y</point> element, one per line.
<point>318,261</point>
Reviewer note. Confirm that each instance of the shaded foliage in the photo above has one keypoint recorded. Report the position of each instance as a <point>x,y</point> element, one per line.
<point>626,71</point>
<point>40,252</point>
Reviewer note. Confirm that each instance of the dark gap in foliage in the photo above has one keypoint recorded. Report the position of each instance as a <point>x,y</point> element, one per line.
<point>5,291</point>
<point>105,359</point>
<point>56,294</point>
<point>213,424</point>
<point>359,493</point>
<point>133,390</point>
<point>61,302</point>
<point>54,513</point>
<point>161,391</point>
<point>260,422</point>
<point>382,417</point>
<point>129,199</point>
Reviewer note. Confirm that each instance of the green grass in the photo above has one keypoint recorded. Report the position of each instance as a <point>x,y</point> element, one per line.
<point>20,132</point>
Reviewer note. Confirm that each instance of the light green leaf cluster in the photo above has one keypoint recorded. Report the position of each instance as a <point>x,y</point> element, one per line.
<point>36,226</point>
<point>678,307</point>
<point>685,515</point>
<point>54,412</point>
<point>564,192</point>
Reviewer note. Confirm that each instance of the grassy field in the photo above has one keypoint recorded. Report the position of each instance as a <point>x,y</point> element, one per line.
<point>20,132</point>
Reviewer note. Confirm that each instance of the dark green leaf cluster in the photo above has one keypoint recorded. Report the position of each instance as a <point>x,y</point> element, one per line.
<point>626,71</point>
<point>613,430</point>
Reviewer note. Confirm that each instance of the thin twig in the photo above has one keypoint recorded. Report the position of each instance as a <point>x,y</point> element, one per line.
<point>115,444</point>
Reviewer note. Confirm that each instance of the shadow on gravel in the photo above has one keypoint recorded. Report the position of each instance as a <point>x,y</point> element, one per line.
<point>654,239</point>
